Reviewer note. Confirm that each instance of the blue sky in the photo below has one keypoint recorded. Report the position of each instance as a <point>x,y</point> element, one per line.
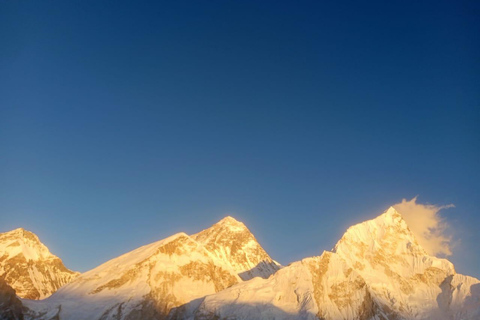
<point>122,123</point>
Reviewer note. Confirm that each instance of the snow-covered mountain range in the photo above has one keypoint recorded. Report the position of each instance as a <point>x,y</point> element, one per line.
<point>149,281</point>
<point>376,271</point>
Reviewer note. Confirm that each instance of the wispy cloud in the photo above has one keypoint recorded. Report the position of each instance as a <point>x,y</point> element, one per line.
<point>427,225</point>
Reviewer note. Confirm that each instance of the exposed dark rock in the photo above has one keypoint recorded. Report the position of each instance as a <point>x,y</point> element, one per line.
<point>11,307</point>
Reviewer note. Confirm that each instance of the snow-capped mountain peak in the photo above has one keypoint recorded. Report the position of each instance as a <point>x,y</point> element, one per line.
<point>19,231</point>
<point>231,222</point>
<point>388,233</point>
<point>228,225</point>
<point>387,243</point>
<point>27,265</point>
<point>26,243</point>
<point>231,241</point>
<point>386,254</point>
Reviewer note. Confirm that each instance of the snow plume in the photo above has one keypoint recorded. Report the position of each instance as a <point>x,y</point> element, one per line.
<point>427,225</point>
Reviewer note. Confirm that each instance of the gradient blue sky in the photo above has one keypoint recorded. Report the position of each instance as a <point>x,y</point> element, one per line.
<point>123,122</point>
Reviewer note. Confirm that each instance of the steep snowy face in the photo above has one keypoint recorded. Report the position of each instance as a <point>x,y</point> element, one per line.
<point>314,288</point>
<point>386,243</point>
<point>339,291</point>
<point>461,295</point>
<point>400,274</point>
<point>230,241</point>
<point>27,265</point>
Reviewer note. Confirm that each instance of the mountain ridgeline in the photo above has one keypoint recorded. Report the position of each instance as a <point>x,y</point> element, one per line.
<point>377,271</point>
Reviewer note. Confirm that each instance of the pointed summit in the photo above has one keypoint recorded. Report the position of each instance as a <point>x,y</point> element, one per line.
<point>231,241</point>
<point>232,224</point>
<point>16,231</point>
<point>393,213</point>
<point>27,238</point>
<point>229,220</point>
<point>27,265</point>
<point>388,232</point>
<point>22,234</point>
<point>25,243</point>
<point>391,217</point>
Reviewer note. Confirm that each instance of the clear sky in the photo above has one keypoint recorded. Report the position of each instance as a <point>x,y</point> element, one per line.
<point>122,123</point>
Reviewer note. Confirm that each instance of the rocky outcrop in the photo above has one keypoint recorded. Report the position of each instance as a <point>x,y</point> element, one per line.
<point>10,306</point>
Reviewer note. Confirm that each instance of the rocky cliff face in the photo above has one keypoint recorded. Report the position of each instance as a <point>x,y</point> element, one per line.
<point>10,306</point>
<point>28,266</point>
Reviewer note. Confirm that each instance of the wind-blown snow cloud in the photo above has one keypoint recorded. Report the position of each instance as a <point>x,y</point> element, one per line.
<point>427,225</point>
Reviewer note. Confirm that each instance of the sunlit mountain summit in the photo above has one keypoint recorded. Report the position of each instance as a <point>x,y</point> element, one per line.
<point>29,267</point>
